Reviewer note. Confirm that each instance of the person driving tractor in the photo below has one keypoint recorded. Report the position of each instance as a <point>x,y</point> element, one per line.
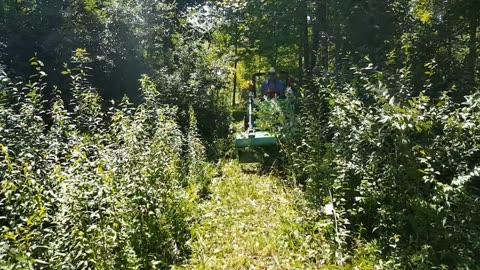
<point>272,86</point>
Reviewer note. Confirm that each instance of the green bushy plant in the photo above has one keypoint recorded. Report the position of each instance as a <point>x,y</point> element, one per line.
<point>81,189</point>
<point>194,78</point>
<point>397,171</point>
<point>199,173</point>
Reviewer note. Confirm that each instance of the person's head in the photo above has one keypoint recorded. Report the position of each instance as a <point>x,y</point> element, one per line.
<point>272,74</point>
<point>291,82</point>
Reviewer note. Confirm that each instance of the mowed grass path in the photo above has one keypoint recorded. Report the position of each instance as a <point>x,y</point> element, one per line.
<point>251,222</point>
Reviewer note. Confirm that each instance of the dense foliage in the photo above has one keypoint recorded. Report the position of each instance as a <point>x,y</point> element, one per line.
<point>396,178</point>
<point>386,143</point>
<point>85,190</point>
<point>310,38</point>
<point>196,78</point>
<point>125,40</point>
<point>383,134</point>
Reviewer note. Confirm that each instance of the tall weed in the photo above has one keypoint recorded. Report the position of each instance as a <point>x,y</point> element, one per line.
<point>83,189</point>
<point>390,171</point>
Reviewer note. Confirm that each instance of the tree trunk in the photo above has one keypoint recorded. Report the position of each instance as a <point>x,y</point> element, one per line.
<point>471,62</point>
<point>300,61</point>
<point>305,37</point>
<point>234,82</point>
<point>235,68</point>
<point>2,14</point>
<point>301,25</point>
<point>319,60</point>
<point>326,37</point>
<point>316,34</point>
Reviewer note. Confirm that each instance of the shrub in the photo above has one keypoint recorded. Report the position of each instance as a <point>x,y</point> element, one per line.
<point>83,190</point>
<point>194,78</point>
<point>399,172</point>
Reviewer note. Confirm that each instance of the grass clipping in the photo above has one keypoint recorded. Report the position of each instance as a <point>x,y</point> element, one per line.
<point>251,222</point>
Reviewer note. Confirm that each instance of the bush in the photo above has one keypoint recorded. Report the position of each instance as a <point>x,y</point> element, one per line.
<point>81,190</point>
<point>396,171</point>
<point>194,79</point>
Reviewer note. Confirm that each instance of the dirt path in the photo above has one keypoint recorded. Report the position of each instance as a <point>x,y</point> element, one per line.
<point>251,222</point>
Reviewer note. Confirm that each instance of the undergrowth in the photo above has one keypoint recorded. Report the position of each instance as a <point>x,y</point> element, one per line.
<point>395,177</point>
<point>85,188</point>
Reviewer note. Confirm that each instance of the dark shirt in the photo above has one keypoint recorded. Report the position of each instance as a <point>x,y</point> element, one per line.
<point>275,85</point>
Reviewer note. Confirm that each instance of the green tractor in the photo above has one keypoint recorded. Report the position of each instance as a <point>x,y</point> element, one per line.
<point>254,144</point>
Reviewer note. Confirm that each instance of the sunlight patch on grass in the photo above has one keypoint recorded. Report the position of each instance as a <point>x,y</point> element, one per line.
<point>251,222</point>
